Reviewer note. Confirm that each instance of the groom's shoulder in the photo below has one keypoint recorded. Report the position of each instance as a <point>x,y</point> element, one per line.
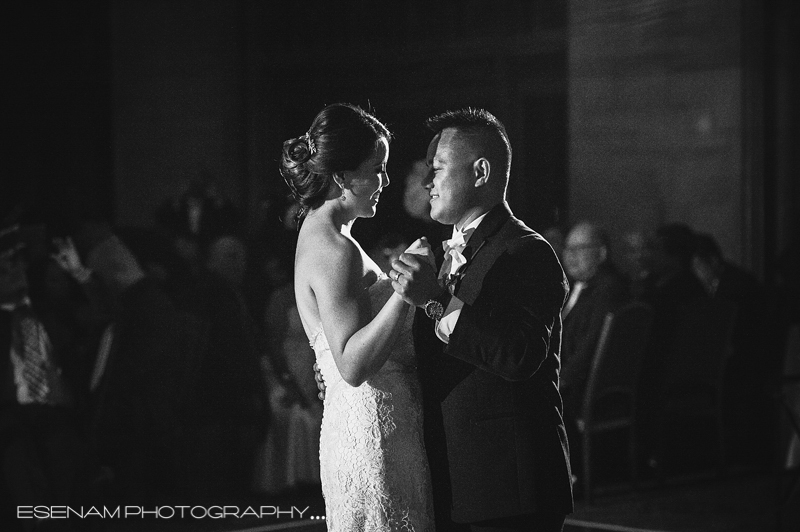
<point>519,235</point>
<point>523,243</point>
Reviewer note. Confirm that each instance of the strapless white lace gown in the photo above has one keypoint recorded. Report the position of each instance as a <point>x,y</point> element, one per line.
<point>373,467</point>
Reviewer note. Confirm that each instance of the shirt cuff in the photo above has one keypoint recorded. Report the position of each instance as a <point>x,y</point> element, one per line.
<point>449,319</point>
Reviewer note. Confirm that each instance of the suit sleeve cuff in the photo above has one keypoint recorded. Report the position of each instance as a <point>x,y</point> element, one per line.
<point>445,326</point>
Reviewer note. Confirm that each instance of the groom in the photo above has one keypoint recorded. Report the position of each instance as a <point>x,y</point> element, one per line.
<point>487,332</point>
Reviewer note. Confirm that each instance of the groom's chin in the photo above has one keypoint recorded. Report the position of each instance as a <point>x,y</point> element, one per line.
<point>440,218</point>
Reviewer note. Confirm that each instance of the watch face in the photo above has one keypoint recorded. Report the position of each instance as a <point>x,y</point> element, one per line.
<point>434,309</point>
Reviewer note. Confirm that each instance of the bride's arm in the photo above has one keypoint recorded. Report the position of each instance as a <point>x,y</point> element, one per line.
<point>359,342</point>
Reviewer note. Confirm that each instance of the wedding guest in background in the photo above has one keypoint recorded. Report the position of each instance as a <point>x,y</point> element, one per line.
<point>230,414</point>
<point>199,213</point>
<point>388,248</point>
<point>289,457</point>
<point>597,289</point>
<point>755,353</point>
<point>668,287</point>
<point>136,418</point>
<point>632,262</point>
<point>43,452</point>
<point>161,261</point>
<point>192,218</point>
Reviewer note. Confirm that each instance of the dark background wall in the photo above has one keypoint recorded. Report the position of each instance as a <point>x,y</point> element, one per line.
<point>672,117</point>
<point>634,113</point>
<point>57,110</point>
<point>656,116</point>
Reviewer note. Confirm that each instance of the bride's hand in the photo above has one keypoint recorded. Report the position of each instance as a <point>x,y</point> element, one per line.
<point>414,274</point>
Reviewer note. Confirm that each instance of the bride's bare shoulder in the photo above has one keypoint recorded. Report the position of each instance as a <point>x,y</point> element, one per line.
<point>322,251</point>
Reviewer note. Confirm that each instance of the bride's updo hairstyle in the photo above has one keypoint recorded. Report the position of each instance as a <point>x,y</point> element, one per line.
<point>341,137</point>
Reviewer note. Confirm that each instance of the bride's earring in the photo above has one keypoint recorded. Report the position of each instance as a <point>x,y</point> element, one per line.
<point>341,185</point>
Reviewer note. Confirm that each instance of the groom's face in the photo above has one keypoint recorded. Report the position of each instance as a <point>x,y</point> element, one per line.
<point>451,177</point>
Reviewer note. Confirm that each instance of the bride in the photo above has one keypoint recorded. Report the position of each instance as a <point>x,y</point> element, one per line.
<point>373,466</point>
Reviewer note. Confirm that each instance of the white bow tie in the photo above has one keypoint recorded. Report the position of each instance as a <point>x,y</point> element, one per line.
<point>454,259</point>
<point>458,241</point>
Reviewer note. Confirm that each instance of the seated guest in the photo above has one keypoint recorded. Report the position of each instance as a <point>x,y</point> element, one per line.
<point>597,289</point>
<point>43,454</point>
<point>631,260</point>
<point>668,287</point>
<point>753,357</point>
<point>668,262</point>
<point>670,283</point>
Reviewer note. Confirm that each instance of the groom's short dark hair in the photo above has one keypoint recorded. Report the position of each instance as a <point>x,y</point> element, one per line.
<point>481,124</point>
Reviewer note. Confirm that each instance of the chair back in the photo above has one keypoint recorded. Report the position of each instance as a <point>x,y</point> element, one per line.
<point>618,358</point>
<point>789,396</point>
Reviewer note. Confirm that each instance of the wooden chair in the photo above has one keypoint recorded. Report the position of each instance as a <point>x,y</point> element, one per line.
<point>694,372</point>
<point>610,400</point>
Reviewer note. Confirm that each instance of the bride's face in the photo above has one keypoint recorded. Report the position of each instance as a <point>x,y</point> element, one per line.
<point>364,184</point>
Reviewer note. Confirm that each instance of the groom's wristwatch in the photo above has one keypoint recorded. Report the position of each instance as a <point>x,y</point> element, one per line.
<point>434,308</point>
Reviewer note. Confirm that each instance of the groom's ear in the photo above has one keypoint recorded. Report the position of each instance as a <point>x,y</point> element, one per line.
<point>482,169</point>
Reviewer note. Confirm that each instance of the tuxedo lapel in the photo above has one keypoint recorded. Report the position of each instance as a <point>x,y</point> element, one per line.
<point>488,228</point>
<point>438,255</point>
<point>492,223</point>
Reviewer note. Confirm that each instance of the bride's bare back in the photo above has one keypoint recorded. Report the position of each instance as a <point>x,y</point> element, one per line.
<point>319,268</point>
<point>332,278</point>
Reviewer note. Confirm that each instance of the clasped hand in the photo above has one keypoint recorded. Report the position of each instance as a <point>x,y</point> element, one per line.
<point>414,274</point>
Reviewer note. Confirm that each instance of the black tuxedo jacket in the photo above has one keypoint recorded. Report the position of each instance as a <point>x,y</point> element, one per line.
<point>493,415</point>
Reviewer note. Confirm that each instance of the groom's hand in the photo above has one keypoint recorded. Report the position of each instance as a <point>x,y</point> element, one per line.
<point>414,278</point>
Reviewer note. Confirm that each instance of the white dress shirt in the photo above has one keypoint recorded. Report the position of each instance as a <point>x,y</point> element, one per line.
<point>449,319</point>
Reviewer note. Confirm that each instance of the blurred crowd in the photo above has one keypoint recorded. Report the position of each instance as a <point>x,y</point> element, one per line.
<point>162,365</point>
<point>150,365</point>
<point>168,365</point>
<point>674,270</point>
